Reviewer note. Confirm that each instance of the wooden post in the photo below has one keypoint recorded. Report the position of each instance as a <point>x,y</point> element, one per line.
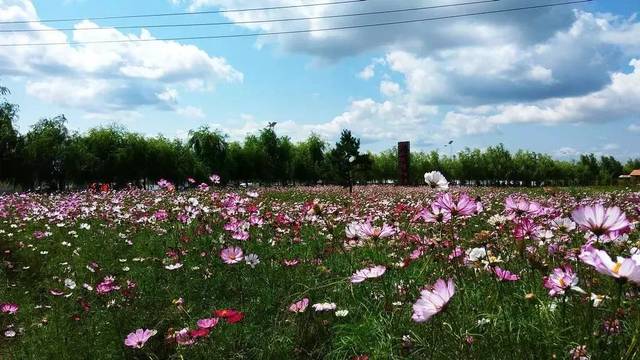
<point>404,158</point>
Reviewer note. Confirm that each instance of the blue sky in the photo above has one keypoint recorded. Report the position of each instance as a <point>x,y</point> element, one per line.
<point>561,80</point>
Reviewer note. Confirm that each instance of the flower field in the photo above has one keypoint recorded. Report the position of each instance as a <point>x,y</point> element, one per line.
<point>318,273</point>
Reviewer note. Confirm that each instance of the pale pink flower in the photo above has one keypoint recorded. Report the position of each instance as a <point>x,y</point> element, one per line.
<point>207,323</point>
<point>138,338</point>
<point>432,301</point>
<point>368,231</point>
<point>436,180</point>
<point>367,273</point>
<point>622,268</point>
<point>299,306</point>
<point>518,207</point>
<point>433,214</point>
<point>505,275</point>
<point>463,206</point>
<point>215,179</point>
<point>560,280</point>
<point>604,224</point>
<point>232,255</point>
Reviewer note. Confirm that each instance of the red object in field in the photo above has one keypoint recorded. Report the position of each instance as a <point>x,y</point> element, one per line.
<point>104,187</point>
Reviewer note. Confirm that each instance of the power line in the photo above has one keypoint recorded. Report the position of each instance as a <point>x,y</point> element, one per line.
<point>288,32</point>
<point>151,26</point>
<point>221,11</point>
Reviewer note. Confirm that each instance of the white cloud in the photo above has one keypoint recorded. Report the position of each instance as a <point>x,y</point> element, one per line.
<point>104,76</point>
<point>191,112</point>
<point>367,73</point>
<point>389,88</point>
<point>634,127</point>
<point>618,100</point>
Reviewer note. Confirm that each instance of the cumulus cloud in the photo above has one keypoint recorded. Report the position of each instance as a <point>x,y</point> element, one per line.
<point>107,76</point>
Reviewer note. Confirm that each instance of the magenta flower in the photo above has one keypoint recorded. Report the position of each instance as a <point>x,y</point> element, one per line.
<point>138,338</point>
<point>526,228</point>
<point>560,280</point>
<point>299,306</point>
<point>207,323</point>
<point>622,268</point>
<point>232,255</point>
<point>107,285</point>
<point>604,224</point>
<point>9,308</point>
<point>463,206</point>
<point>368,273</point>
<point>432,301</point>
<point>505,275</point>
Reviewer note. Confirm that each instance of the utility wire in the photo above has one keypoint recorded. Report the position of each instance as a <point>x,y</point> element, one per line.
<point>221,11</point>
<point>389,23</point>
<point>151,26</point>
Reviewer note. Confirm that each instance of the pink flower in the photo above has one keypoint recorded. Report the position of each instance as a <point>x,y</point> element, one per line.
<point>505,275</point>
<point>138,338</point>
<point>215,179</point>
<point>207,323</point>
<point>299,306</point>
<point>107,285</point>
<point>9,308</point>
<point>433,301</point>
<point>183,337</point>
<point>368,273</point>
<point>622,268</point>
<point>367,231</point>
<point>526,228</point>
<point>463,206</point>
<point>560,280</point>
<point>519,207</point>
<point>603,224</point>
<point>232,255</point>
<point>435,214</point>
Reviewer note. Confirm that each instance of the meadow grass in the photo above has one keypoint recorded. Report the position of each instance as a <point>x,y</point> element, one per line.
<point>485,319</point>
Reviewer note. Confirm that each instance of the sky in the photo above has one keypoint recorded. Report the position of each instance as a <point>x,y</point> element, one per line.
<point>563,80</point>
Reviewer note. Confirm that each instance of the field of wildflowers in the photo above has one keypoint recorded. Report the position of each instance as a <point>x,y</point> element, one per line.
<point>318,273</point>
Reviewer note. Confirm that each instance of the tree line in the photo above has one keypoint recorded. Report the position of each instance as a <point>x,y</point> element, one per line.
<point>50,156</point>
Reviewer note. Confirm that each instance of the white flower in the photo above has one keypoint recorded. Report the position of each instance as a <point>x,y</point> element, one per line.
<point>368,273</point>
<point>173,266</point>
<point>85,226</point>
<point>342,313</point>
<point>10,333</point>
<point>436,180</point>
<point>324,307</point>
<point>252,260</point>
<point>476,254</point>
<point>70,284</point>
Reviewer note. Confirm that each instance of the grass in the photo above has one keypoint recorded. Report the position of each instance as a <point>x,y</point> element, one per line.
<point>485,319</point>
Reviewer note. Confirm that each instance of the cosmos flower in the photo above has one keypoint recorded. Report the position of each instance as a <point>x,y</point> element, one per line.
<point>319,307</point>
<point>215,178</point>
<point>367,273</point>
<point>463,206</point>
<point>433,300</point>
<point>231,316</point>
<point>560,280</point>
<point>436,180</point>
<point>563,224</point>
<point>138,338</point>
<point>252,260</point>
<point>433,214</point>
<point>299,306</point>
<point>603,224</point>
<point>516,207</point>
<point>9,308</point>
<point>207,323</point>
<point>232,255</point>
<point>368,231</point>
<point>622,268</point>
<point>505,275</point>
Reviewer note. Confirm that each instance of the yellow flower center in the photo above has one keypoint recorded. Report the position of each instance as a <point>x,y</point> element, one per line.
<point>616,267</point>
